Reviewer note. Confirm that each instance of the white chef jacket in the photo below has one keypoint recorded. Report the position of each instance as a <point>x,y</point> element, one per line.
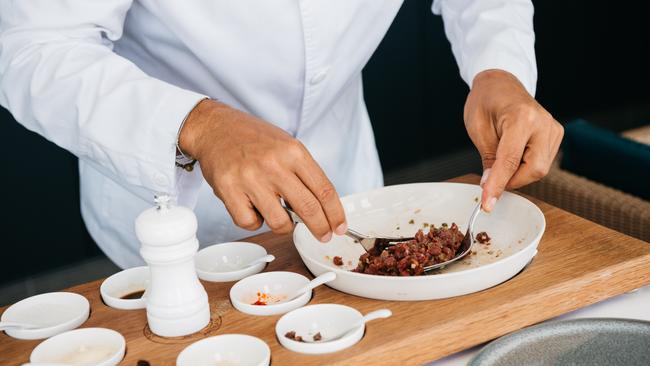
<point>112,80</point>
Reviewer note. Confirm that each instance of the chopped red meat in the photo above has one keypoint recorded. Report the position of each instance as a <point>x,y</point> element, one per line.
<point>409,258</point>
<point>338,261</point>
<point>292,335</point>
<point>482,237</point>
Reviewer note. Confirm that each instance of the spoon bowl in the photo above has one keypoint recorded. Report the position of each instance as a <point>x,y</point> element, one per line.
<point>465,246</point>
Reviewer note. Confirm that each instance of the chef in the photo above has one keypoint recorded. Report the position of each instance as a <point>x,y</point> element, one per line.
<point>231,105</point>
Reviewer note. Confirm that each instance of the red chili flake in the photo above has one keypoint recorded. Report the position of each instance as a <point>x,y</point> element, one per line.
<point>262,299</point>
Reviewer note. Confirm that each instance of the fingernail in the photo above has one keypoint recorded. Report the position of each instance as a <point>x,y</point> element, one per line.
<point>486,174</point>
<point>489,205</point>
<point>326,238</point>
<point>341,229</point>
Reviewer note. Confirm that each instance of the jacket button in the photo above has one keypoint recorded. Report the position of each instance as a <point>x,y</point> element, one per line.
<point>318,77</point>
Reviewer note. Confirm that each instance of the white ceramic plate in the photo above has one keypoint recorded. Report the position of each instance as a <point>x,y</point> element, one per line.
<point>227,349</point>
<point>86,346</point>
<point>123,283</point>
<point>224,262</point>
<point>56,312</point>
<point>515,225</point>
<point>277,285</point>
<point>326,319</point>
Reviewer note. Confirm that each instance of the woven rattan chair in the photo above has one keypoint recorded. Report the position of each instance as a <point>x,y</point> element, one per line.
<point>596,202</point>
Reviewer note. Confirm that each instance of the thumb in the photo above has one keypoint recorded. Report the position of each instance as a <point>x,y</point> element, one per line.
<point>508,157</point>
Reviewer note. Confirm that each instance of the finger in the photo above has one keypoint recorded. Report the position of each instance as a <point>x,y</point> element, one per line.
<point>484,137</point>
<point>533,167</point>
<point>305,204</point>
<point>315,180</point>
<point>268,205</point>
<point>508,157</point>
<point>536,162</point>
<point>538,156</point>
<point>241,210</point>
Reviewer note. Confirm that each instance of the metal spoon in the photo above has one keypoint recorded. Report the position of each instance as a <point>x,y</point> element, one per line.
<point>324,278</point>
<point>377,314</point>
<point>465,245</point>
<point>11,325</point>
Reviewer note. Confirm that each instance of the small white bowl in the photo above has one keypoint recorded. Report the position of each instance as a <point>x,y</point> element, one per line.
<point>227,349</point>
<point>56,312</point>
<point>123,283</point>
<point>277,285</point>
<point>324,318</point>
<point>224,262</point>
<point>85,346</point>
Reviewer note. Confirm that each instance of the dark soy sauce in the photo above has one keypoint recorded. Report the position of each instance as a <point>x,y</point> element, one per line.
<point>133,295</point>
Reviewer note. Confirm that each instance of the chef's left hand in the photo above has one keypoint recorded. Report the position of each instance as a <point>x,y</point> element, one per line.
<point>515,136</point>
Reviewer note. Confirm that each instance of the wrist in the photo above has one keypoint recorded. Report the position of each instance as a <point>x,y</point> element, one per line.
<point>192,130</point>
<point>496,90</point>
<point>492,75</point>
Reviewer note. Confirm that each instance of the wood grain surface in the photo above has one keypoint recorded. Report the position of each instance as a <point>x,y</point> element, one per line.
<point>579,263</point>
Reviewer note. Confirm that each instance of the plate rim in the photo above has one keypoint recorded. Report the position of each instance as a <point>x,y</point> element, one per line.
<point>527,331</point>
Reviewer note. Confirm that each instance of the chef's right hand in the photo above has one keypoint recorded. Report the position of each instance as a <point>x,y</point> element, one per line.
<point>250,164</point>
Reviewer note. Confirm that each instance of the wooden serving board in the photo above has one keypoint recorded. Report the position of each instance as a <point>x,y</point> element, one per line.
<point>579,263</point>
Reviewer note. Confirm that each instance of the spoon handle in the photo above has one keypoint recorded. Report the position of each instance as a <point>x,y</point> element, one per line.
<point>324,278</point>
<point>265,259</point>
<point>377,314</point>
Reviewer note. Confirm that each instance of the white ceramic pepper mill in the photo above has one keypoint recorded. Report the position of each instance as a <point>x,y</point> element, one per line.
<point>177,303</point>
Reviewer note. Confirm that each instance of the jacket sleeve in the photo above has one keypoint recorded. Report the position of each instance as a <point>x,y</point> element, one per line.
<point>491,34</point>
<point>60,79</point>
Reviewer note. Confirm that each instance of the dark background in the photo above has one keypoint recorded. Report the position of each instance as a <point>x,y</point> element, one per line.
<point>591,60</point>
